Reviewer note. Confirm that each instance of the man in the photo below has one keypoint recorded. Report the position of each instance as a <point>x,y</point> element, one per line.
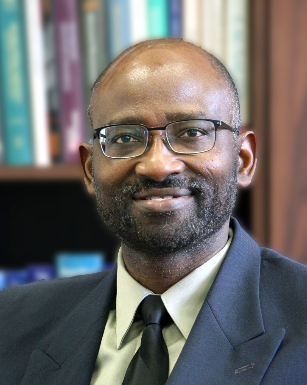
<point>164,164</point>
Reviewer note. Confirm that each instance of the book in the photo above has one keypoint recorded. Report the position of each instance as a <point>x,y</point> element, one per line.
<point>51,82</point>
<point>68,54</point>
<point>94,46</point>
<point>157,16</point>
<point>40,273</point>
<point>1,138</point>
<point>208,25</point>
<point>138,21</point>
<point>192,21</point>
<point>175,18</point>
<point>15,277</point>
<point>117,26</point>
<point>14,87</point>
<point>213,27</point>
<point>218,48</point>
<point>237,53</point>
<point>36,72</point>
<point>71,264</point>
<point>2,280</point>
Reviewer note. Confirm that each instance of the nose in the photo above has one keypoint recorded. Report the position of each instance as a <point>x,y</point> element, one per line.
<point>159,161</point>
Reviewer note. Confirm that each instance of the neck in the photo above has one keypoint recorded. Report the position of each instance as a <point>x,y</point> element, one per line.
<point>161,271</point>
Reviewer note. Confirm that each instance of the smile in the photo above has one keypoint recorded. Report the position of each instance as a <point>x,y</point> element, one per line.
<point>162,200</point>
<point>159,198</point>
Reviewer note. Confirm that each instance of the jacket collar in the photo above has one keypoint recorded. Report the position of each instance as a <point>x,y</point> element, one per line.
<point>71,356</point>
<point>228,339</point>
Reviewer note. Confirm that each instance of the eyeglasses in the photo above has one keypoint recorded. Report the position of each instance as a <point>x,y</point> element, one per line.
<point>183,137</point>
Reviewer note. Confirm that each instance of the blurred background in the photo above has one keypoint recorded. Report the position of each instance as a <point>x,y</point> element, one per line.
<point>51,52</point>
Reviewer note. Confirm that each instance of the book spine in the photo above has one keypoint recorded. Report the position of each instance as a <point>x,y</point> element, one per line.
<point>138,21</point>
<point>70,78</point>
<point>192,21</point>
<point>218,38</point>
<point>94,50</point>
<point>51,82</point>
<point>13,73</point>
<point>237,53</point>
<point>213,27</point>
<point>1,141</point>
<point>157,19</point>
<point>208,26</point>
<point>37,273</point>
<point>2,280</point>
<point>40,129</point>
<point>175,18</point>
<point>118,26</point>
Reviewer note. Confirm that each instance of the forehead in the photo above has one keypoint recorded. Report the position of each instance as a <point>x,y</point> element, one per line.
<point>159,82</point>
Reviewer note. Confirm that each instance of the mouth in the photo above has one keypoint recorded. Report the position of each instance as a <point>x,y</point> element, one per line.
<point>162,200</point>
<point>159,198</point>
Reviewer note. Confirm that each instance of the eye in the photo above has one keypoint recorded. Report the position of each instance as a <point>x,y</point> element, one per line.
<point>193,133</point>
<point>123,139</point>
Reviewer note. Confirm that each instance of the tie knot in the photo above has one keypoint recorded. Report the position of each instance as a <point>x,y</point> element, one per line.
<point>153,311</point>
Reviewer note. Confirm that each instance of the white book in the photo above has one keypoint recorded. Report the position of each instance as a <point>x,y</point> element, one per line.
<point>191,21</point>
<point>213,27</point>
<point>237,51</point>
<point>207,25</point>
<point>38,97</point>
<point>138,21</point>
<point>218,28</point>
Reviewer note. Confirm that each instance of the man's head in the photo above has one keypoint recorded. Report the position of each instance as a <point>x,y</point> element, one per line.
<point>155,83</point>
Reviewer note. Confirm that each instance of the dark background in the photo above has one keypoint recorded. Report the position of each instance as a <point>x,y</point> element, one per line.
<point>40,219</point>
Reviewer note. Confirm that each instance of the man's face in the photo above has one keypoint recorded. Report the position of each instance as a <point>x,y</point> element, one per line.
<point>156,88</point>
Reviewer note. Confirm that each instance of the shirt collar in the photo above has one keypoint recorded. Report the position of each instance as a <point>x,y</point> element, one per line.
<point>129,295</point>
<point>182,301</point>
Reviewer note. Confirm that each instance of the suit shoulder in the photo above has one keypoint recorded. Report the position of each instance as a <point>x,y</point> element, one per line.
<point>283,292</point>
<point>275,263</point>
<point>56,294</point>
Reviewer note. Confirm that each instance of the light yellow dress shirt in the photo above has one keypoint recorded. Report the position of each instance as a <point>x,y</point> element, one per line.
<point>122,335</point>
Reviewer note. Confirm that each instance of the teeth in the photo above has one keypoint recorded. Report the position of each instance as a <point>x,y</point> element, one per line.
<point>159,198</point>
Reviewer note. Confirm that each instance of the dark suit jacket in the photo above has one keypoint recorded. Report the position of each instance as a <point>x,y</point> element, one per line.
<point>251,329</point>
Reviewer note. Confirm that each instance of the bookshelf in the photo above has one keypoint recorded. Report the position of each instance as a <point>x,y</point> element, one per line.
<point>55,173</point>
<point>279,105</point>
<point>274,209</point>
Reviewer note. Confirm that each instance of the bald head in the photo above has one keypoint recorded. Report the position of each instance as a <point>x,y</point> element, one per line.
<point>148,61</point>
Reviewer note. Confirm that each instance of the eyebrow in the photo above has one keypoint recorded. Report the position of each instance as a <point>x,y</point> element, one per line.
<point>171,117</point>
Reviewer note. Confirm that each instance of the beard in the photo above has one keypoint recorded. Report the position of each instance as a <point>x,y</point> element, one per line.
<point>168,232</point>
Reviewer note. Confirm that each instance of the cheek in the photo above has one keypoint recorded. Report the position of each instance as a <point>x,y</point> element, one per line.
<point>216,164</point>
<point>110,174</point>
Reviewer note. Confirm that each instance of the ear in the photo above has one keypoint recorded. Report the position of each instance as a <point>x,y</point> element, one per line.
<point>247,158</point>
<point>85,151</point>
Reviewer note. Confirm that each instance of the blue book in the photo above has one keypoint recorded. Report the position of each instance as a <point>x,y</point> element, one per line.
<point>15,278</point>
<point>118,26</point>
<point>157,18</point>
<point>109,265</point>
<point>1,139</point>
<point>71,264</point>
<point>40,273</point>
<point>14,87</point>
<point>175,18</point>
<point>2,280</point>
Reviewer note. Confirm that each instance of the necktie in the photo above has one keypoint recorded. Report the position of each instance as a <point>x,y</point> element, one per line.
<point>150,363</point>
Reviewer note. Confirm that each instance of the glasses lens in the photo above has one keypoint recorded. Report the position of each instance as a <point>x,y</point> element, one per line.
<point>191,136</point>
<point>123,141</point>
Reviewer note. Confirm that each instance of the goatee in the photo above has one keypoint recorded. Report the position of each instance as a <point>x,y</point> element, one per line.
<point>168,232</point>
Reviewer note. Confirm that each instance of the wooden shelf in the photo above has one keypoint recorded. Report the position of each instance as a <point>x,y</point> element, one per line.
<point>34,173</point>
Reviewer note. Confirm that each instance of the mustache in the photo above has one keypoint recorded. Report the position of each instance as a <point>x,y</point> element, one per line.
<point>172,181</point>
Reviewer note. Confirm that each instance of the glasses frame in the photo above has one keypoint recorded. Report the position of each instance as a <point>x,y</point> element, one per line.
<point>217,124</point>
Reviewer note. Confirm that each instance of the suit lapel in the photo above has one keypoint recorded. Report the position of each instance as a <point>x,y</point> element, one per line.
<point>228,343</point>
<point>71,356</point>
